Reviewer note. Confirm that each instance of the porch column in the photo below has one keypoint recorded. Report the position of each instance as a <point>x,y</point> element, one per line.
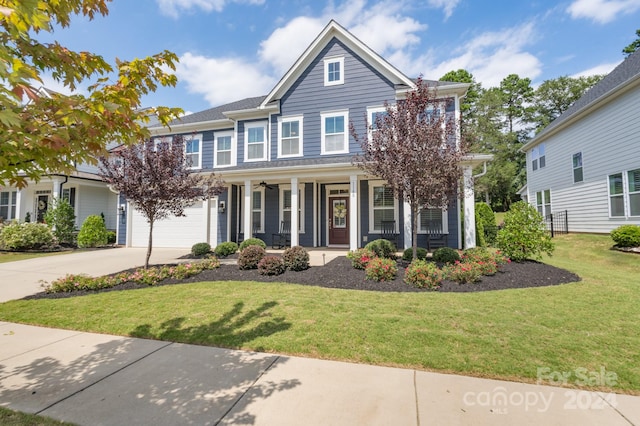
<point>213,222</point>
<point>469,209</point>
<point>353,213</point>
<point>247,210</point>
<point>295,207</point>
<point>55,193</point>
<point>406,225</point>
<point>18,205</point>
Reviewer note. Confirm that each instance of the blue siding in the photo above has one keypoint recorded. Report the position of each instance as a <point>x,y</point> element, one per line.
<point>207,150</point>
<point>122,220</point>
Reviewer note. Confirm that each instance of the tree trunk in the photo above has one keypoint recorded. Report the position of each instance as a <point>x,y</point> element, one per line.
<point>149,245</point>
<point>414,228</point>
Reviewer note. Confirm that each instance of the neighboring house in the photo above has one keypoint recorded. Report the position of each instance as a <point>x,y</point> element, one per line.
<point>286,159</point>
<point>587,161</point>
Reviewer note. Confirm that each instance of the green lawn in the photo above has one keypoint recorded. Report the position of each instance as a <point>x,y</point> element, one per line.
<point>12,256</point>
<point>15,418</point>
<point>502,334</point>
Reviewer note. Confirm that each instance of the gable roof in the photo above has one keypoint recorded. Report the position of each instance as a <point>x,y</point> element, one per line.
<point>616,81</point>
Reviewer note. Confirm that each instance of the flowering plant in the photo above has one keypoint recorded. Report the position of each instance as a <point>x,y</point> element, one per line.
<point>381,269</point>
<point>361,257</point>
<point>423,274</point>
<point>463,273</point>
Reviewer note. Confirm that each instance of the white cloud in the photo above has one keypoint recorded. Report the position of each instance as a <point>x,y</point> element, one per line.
<point>222,80</point>
<point>447,6</point>
<point>173,7</point>
<point>598,69</point>
<point>602,11</point>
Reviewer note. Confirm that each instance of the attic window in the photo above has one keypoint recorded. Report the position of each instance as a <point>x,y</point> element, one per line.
<point>333,71</point>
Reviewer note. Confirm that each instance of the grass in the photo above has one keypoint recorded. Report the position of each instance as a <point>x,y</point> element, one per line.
<point>15,418</point>
<point>12,256</point>
<point>501,334</point>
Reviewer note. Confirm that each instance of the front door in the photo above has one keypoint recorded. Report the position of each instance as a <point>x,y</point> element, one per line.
<point>41,208</point>
<point>338,220</point>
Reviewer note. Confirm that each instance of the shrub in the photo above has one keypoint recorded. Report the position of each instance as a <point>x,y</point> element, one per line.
<point>463,273</point>
<point>226,249</point>
<point>626,236</point>
<point>480,241</point>
<point>93,232</point>
<point>296,258</point>
<point>360,258</point>
<point>524,235</point>
<point>250,256</point>
<point>446,255</point>
<point>421,254</point>
<point>381,269</point>
<point>271,265</point>
<point>485,260</point>
<point>382,248</point>
<point>200,249</point>
<point>488,219</point>
<point>25,236</point>
<point>111,237</point>
<point>62,219</point>
<point>252,242</point>
<point>423,274</point>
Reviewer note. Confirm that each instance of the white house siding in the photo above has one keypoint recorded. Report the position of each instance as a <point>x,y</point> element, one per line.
<point>183,231</point>
<point>608,138</point>
<point>92,200</point>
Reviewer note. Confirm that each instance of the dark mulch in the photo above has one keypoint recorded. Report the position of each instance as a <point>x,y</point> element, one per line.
<point>339,273</point>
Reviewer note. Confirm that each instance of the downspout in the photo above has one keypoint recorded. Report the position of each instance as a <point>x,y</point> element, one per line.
<point>66,179</point>
<point>484,172</point>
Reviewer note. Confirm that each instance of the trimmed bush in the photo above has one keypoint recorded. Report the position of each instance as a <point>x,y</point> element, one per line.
<point>93,233</point>
<point>421,254</point>
<point>62,220</point>
<point>271,265</point>
<point>626,236</point>
<point>483,258</point>
<point>250,257</point>
<point>360,258</point>
<point>382,248</point>
<point>488,219</point>
<point>480,241</point>
<point>296,258</point>
<point>200,249</point>
<point>524,235</point>
<point>423,274</point>
<point>111,237</point>
<point>25,236</point>
<point>381,269</point>
<point>463,273</point>
<point>446,255</point>
<point>252,242</point>
<point>226,249</point>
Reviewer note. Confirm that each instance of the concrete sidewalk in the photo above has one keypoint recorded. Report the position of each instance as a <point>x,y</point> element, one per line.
<point>94,379</point>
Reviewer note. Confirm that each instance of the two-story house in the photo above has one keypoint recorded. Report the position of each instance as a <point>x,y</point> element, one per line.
<point>586,162</point>
<point>287,157</point>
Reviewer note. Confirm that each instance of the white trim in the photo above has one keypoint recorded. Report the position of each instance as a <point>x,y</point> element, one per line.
<point>370,121</point>
<point>188,138</point>
<point>375,184</point>
<point>261,229</point>
<point>233,152</point>
<point>626,195</point>
<point>253,125</point>
<point>290,119</point>
<point>330,114</point>
<point>333,60</point>
<point>287,187</point>
<point>328,195</point>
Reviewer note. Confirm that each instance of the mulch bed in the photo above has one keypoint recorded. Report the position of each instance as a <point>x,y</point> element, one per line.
<point>339,273</point>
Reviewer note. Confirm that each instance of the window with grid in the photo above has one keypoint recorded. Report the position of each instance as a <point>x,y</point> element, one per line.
<point>543,202</point>
<point>8,205</point>
<point>633,185</point>
<point>223,151</point>
<point>192,151</point>
<point>334,135</point>
<point>257,215</point>
<point>431,220</point>
<point>577,167</point>
<point>383,206</point>
<point>538,158</point>
<point>333,71</point>
<point>616,195</point>
<point>290,137</point>
<point>255,142</point>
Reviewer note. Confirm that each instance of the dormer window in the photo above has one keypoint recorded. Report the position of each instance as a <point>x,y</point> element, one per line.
<point>333,71</point>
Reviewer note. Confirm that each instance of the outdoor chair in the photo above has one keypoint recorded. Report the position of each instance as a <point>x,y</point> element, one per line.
<point>435,236</point>
<point>283,238</point>
<point>389,231</point>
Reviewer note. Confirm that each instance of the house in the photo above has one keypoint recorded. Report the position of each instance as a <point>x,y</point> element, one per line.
<point>586,162</point>
<point>286,158</point>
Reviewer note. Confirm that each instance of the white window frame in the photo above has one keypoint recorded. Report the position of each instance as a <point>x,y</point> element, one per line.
<point>253,125</point>
<point>377,184</point>
<point>162,139</point>
<point>538,159</point>
<point>327,62</point>
<point>574,168</point>
<point>625,195</point>
<point>370,120</point>
<point>629,193</point>
<point>445,221</point>
<point>260,230</point>
<point>11,205</point>
<point>282,189</point>
<point>330,114</point>
<point>291,119</point>
<point>544,206</point>
<point>189,138</point>
<point>233,152</point>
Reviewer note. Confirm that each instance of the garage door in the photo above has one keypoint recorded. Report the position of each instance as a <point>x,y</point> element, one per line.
<point>173,231</point>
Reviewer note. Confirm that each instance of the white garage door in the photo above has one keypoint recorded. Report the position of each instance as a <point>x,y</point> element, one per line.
<point>173,231</point>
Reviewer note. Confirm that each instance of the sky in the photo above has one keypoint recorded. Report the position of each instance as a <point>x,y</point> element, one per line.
<point>233,49</point>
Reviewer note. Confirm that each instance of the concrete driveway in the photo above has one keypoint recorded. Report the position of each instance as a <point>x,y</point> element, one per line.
<point>24,277</point>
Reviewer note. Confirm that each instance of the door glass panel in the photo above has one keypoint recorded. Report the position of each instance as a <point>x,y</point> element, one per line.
<point>339,213</point>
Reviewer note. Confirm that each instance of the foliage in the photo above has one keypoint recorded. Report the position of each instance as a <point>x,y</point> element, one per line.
<point>524,235</point>
<point>423,274</point>
<point>463,273</point>
<point>62,219</point>
<point>296,258</point>
<point>446,255</point>
<point>382,248</point>
<point>25,236</point>
<point>27,217</point>
<point>226,249</point>
<point>421,253</point>
<point>252,242</point>
<point>360,258</point>
<point>52,131</point>
<point>157,181</point>
<point>488,219</point>
<point>250,257</point>
<point>488,261</point>
<point>633,46</point>
<point>111,237</point>
<point>407,151</point>
<point>200,249</point>
<point>480,241</point>
<point>271,265</point>
<point>626,236</point>
<point>381,269</point>
<point>93,232</point>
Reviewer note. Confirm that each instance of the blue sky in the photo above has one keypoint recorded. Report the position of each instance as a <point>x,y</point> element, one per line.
<point>232,49</point>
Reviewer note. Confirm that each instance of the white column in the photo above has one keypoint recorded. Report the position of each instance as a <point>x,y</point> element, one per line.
<point>353,213</point>
<point>213,222</point>
<point>247,209</point>
<point>295,226</point>
<point>406,228</point>
<point>55,181</point>
<point>469,209</point>
<point>206,219</point>
<point>18,215</point>
<point>128,242</point>
<point>316,212</point>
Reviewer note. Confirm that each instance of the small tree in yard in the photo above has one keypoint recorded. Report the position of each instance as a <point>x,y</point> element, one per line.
<point>62,218</point>
<point>156,180</point>
<point>414,147</point>
<point>524,235</point>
